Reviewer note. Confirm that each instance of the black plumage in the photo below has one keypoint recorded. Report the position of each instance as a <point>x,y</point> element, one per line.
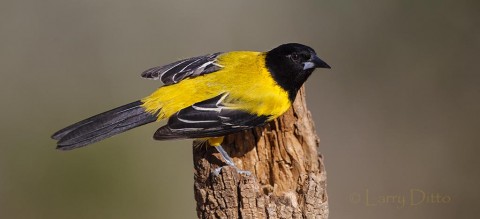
<point>103,125</point>
<point>179,70</point>
<point>209,118</point>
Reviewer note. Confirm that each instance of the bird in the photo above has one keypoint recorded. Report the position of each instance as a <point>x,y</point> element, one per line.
<point>207,97</point>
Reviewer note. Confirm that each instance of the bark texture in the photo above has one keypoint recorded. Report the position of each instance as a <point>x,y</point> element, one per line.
<point>288,178</point>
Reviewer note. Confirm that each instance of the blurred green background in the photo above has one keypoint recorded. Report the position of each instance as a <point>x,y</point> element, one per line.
<point>399,111</point>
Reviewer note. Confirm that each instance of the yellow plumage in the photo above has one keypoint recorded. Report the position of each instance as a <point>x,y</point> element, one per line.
<point>243,75</point>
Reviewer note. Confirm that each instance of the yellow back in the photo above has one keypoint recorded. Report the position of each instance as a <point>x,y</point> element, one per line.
<point>244,76</point>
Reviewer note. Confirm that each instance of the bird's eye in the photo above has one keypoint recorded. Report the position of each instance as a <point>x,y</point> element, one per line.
<point>295,57</point>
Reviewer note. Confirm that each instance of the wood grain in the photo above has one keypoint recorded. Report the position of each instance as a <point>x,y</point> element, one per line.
<point>288,177</point>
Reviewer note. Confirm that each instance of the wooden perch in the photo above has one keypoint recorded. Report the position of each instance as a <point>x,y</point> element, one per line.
<point>288,178</point>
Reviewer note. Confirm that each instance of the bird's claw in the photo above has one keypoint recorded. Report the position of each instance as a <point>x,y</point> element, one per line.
<point>217,171</point>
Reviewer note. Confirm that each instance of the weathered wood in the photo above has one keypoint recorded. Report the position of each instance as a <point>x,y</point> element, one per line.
<point>288,177</point>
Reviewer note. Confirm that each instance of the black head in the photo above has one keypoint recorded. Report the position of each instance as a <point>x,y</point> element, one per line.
<point>291,65</point>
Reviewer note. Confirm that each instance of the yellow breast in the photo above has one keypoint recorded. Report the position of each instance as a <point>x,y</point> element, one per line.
<point>244,76</point>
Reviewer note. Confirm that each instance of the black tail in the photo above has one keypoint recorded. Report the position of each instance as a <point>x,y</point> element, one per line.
<point>104,125</point>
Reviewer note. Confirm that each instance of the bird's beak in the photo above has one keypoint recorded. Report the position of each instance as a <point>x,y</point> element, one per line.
<point>315,62</point>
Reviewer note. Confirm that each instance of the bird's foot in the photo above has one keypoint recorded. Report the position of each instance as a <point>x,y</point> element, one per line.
<point>228,160</point>
<point>217,171</point>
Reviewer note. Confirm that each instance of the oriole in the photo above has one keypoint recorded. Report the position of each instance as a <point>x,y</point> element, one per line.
<point>207,96</point>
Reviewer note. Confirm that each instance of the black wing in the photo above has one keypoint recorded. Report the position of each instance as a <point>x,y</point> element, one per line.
<point>209,118</point>
<point>177,71</point>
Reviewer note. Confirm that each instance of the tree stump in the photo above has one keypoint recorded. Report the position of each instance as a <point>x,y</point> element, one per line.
<point>288,177</point>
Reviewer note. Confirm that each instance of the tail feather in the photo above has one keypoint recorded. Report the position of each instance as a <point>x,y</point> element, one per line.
<point>102,126</point>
